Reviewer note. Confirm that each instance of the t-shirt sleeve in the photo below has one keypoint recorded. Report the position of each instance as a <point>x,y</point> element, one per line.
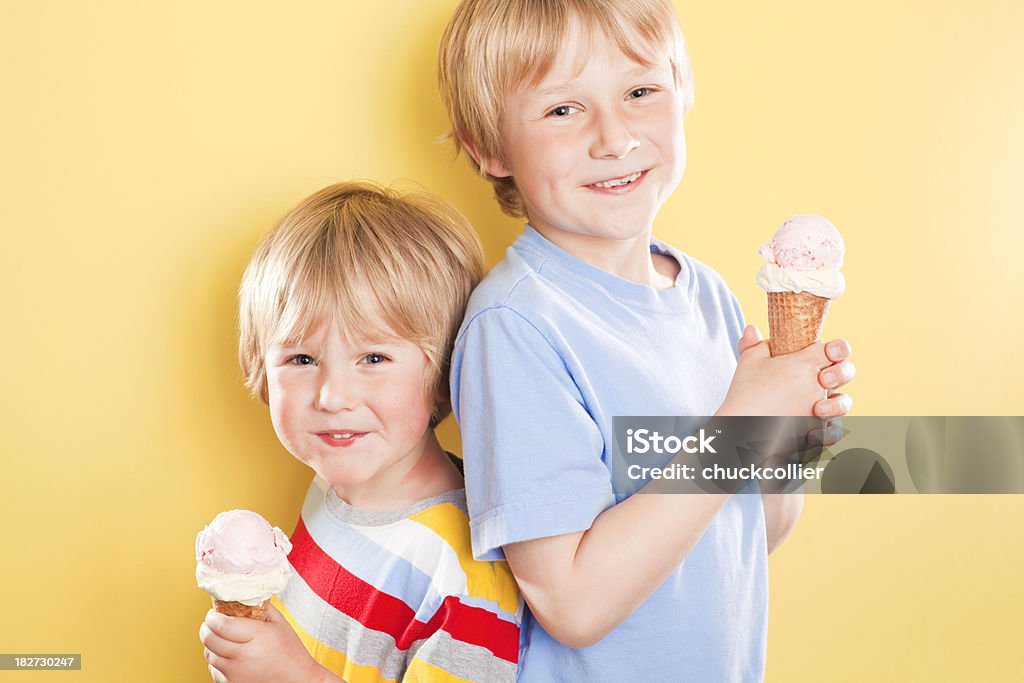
<point>719,303</point>
<point>738,323</point>
<point>532,451</point>
<point>465,642</point>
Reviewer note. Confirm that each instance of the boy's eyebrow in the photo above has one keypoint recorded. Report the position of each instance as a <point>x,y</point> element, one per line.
<point>284,347</point>
<point>554,90</point>
<point>640,71</point>
<point>644,69</point>
<point>383,341</point>
<point>364,341</point>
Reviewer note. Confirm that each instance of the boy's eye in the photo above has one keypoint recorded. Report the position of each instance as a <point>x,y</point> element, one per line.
<point>374,358</point>
<point>637,93</point>
<point>562,111</point>
<point>302,359</point>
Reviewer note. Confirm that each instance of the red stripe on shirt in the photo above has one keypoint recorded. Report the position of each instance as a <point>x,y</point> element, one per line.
<point>348,593</point>
<point>476,626</point>
<point>377,610</point>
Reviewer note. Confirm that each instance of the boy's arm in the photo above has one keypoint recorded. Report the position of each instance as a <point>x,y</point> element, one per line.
<point>628,552</point>
<point>534,472</point>
<point>781,512</point>
<point>631,548</point>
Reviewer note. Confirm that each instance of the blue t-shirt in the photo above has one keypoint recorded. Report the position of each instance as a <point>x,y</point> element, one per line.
<point>550,351</point>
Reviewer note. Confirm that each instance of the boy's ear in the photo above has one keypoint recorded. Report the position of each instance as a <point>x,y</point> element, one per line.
<point>490,166</point>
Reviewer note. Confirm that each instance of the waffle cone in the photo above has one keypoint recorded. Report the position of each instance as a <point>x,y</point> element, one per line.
<point>795,320</point>
<point>238,609</point>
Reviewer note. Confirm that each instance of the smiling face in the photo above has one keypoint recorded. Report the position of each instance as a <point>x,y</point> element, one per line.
<point>355,410</point>
<point>597,146</point>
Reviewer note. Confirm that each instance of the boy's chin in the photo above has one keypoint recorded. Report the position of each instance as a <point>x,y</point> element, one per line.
<point>620,226</point>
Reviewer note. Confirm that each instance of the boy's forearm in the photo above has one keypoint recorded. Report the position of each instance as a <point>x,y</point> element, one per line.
<point>629,550</point>
<point>781,513</point>
<point>626,554</point>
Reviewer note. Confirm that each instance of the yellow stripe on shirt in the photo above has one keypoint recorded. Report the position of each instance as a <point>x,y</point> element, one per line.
<point>331,658</point>
<point>488,580</point>
<point>420,671</point>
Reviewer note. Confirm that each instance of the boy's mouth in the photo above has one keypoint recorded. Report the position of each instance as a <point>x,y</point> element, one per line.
<point>620,183</point>
<point>341,439</point>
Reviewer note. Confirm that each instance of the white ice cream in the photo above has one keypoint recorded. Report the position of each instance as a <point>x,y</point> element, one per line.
<point>826,283</point>
<point>248,590</point>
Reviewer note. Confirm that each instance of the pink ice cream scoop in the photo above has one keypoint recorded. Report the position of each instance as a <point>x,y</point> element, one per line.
<point>242,542</point>
<point>242,561</point>
<point>806,242</point>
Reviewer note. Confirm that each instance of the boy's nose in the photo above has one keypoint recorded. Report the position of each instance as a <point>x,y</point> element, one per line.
<point>614,139</point>
<point>336,393</point>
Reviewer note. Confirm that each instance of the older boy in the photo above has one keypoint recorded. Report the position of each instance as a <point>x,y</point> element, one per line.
<point>347,312</point>
<point>573,111</point>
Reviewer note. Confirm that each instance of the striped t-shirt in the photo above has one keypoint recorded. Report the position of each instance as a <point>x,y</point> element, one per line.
<point>387,596</point>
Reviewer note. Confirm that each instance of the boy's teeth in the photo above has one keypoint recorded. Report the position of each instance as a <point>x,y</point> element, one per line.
<point>339,435</point>
<point>619,181</point>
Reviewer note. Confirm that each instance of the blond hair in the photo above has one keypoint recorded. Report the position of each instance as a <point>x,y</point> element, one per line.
<point>364,255</point>
<point>491,47</point>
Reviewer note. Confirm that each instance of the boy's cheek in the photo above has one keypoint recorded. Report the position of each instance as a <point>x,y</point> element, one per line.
<point>283,417</point>
<point>290,437</point>
<point>282,388</point>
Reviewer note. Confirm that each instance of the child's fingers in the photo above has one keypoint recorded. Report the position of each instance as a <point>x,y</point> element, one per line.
<point>835,376</point>
<point>833,431</point>
<point>751,345</point>
<point>838,350</point>
<point>216,645</point>
<point>813,354</point>
<point>216,675</point>
<point>829,434</point>
<point>836,404</point>
<point>274,616</point>
<point>751,336</point>
<point>235,629</point>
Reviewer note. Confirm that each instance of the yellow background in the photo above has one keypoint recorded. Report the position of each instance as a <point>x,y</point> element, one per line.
<point>146,146</point>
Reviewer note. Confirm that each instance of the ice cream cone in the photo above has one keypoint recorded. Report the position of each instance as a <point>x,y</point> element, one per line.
<point>240,557</point>
<point>795,320</point>
<point>238,609</point>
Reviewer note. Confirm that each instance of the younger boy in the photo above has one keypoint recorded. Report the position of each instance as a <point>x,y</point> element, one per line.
<point>347,313</point>
<point>573,110</point>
